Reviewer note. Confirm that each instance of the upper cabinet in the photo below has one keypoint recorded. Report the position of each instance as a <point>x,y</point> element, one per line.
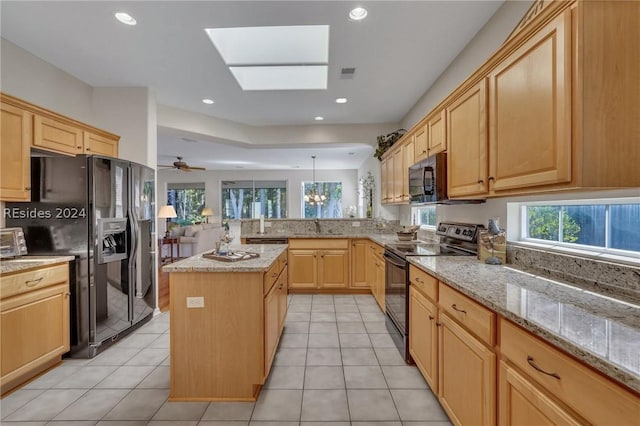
<point>26,126</point>
<point>15,175</point>
<point>467,140</point>
<point>530,111</point>
<point>554,109</point>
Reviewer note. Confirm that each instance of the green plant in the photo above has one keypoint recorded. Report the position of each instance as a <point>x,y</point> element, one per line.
<point>544,223</point>
<point>386,141</point>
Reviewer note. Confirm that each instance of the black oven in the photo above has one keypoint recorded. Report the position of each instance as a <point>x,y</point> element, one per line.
<point>456,240</point>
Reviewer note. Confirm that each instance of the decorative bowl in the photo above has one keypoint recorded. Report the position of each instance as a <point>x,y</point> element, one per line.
<point>406,236</point>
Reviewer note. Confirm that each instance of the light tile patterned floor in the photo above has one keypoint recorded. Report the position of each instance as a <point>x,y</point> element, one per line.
<point>336,365</point>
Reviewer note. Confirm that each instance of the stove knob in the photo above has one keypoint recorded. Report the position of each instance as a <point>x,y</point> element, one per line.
<point>457,231</point>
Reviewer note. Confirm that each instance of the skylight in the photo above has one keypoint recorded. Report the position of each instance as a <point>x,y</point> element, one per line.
<point>275,58</point>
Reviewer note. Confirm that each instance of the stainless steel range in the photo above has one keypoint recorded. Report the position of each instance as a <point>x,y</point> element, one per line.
<point>457,239</point>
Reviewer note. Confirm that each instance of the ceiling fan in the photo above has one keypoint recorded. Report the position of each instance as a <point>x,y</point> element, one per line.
<point>181,165</point>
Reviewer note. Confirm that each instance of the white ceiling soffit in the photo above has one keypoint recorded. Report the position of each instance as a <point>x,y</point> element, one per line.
<point>295,44</point>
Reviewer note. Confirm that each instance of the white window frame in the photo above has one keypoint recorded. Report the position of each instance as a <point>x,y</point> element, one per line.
<point>519,235</point>
<point>414,212</point>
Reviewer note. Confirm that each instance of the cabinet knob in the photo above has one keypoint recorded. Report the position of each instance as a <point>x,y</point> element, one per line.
<point>88,149</point>
<point>67,294</point>
<point>431,318</point>
<point>491,178</point>
<point>481,181</point>
<point>79,147</point>
<point>424,151</point>
<point>275,274</point>
<point>28,188</point>
<point>419,280</point>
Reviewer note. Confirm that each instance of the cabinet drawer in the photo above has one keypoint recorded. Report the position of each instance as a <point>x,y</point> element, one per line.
<point>475,317</point>
<point>424,282</point>
<point>271,276</point>
<point>318,243</point>
<point>282,260</point>
<point>594,397</point>
<point>27,281</point>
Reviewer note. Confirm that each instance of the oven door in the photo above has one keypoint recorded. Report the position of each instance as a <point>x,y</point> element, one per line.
<point>397,302</point>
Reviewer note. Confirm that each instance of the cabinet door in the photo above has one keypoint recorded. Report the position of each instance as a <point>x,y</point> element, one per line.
<point>466,376</point>
<point>423,336</point>
<point>282,299</point>
<point>99,145</point>
<point>359,263</point>
<point>523,404</point>
<point>333,269</point>
<point>409,153</point>
<point>384,178</point>
<point>421,145</point>
<point>53,135</point>
<point>35,329</point>
<point>530,111</point>
<point>302,269</point>
<point>380,277</point>
<point>15,144</point>
<point>436,139</point>
<point>271,327</point>
<point>467,138</point>
<point>399,175</point>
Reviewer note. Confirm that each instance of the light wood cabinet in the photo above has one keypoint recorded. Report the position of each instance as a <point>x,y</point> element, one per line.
<point>395,171</point>
<point>34,320</point>
<point>319,263</point>
<point>377,272</point>
<point>15,143</point>
<point>399,175</point>
<point>565,379</point>
<point>360,263</point>
<point>421,143</point>
<point>530,111</point>
<point>271,327</point>
<point>437,141</point>
<point>100,145</point>
<point>423,335</point>
<point>523,404</point>
<point>466,375</point>
<point>54,135</point>
<point>467,140</point>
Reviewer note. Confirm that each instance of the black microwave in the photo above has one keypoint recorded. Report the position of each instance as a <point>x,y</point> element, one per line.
<point>428,180</point>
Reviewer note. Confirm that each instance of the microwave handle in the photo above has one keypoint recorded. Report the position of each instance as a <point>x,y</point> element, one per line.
<point>429,176</point>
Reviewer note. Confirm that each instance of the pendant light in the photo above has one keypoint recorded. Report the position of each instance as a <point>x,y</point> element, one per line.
<point>312,197</point>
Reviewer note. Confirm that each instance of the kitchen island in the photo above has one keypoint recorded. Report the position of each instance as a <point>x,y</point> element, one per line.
<point>226,321</point>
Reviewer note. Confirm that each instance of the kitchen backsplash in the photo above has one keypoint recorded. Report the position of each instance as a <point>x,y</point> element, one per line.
<point>326,226</point>
<point>611,279</point>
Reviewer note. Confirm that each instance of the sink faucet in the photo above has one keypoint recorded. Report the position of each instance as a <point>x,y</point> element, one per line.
<point>317,222</point>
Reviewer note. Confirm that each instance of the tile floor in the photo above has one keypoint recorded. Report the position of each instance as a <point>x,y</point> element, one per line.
<point>336,365</point>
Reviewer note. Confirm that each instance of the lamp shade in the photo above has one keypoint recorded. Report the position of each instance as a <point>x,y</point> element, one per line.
<point>207,211</point>
<point>167,212</point>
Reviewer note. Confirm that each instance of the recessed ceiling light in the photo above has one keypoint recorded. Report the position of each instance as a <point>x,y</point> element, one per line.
<point>351,153</point>
<point>341,100</point>
<point>207,101</point>
<point>125,18</point>
<point>358,14</point>
<point>318,118</point>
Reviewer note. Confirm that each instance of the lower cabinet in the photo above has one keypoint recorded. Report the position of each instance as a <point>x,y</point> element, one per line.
<point>275,311</point>
<point>466,375</point>
<point>359,264</point>
<point>376,270</point>
<point>319,264</point>
<point>423,336</point>
<point>522,403</point>
<point>34,320</point>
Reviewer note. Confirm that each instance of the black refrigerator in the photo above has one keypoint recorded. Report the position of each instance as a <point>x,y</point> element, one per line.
<point>100,210</point>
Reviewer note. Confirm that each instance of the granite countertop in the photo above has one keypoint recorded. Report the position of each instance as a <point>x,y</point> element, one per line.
<point>381,239</point>
<point>268,254</point>
<point>25,263</point>
<point>601,331</point>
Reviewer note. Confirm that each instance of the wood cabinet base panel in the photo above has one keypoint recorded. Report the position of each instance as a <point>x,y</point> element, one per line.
<point>329,291</point>
<point>14,384</point>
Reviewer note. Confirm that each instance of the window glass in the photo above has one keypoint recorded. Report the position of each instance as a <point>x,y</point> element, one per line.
<point>249,199</point>
<point>603,225</point>
<point>424,216</point>
<point>329,195</point>
<point>188,201</point>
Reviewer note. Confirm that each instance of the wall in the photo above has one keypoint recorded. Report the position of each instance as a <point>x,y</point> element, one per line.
<point>294,181</point>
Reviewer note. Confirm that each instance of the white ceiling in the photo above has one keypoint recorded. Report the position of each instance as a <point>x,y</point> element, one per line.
<point>398,52</point>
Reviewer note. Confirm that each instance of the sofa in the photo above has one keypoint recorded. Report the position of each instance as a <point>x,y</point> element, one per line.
<point>195,239</point>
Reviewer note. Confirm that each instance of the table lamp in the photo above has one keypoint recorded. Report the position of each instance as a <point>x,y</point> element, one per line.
<point>167,212</point>
<point>206,212</point>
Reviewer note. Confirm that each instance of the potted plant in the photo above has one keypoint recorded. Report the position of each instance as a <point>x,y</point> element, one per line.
<point>386,141</point>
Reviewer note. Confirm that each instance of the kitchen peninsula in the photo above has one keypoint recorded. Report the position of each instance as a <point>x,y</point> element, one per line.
<point>226,321</point>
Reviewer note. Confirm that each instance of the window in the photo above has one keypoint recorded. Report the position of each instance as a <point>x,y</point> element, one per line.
<point>424,216</point>
<point>246,199</point>
<point>188,200</point>
<point>603,227</point>
<point>330,208</point>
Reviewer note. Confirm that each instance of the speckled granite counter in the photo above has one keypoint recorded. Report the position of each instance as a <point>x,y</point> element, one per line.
<point>268,254</point>
<point>601,331</point>
<point>30,262</point>
<point>381,239</point>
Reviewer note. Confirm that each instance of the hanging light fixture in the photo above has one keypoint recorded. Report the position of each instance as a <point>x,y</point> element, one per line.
<point>311,196</point>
